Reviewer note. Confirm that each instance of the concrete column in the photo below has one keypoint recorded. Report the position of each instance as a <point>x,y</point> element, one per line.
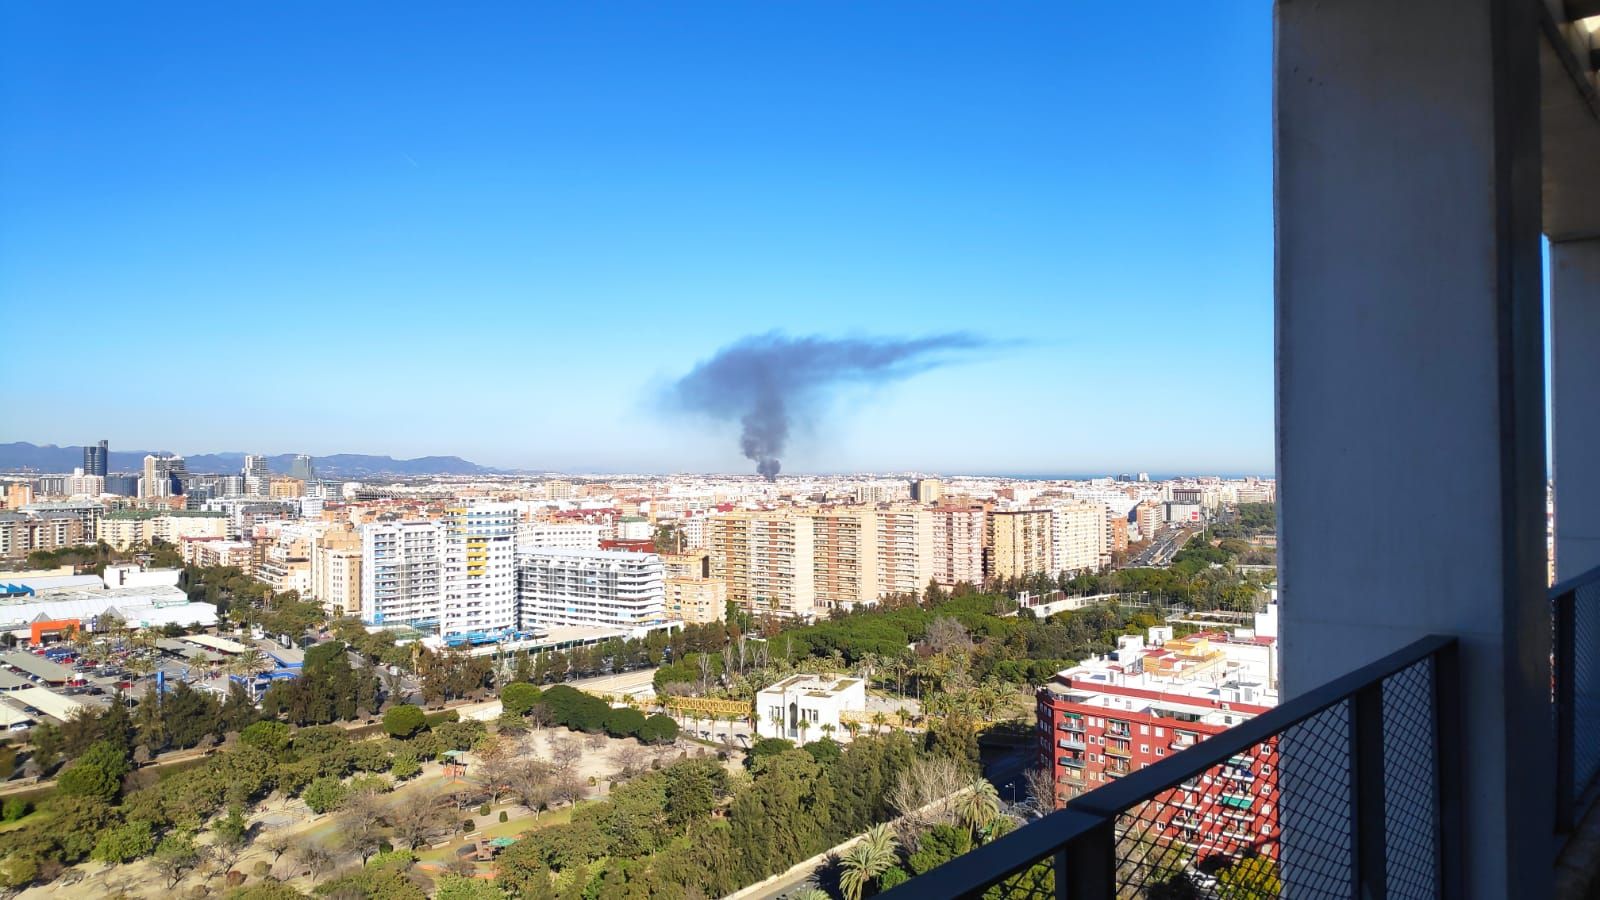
<point>1411,456</point>
<point>1575,402</point>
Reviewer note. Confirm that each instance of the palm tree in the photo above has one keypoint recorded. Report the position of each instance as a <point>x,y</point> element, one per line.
<point>869,858</point>
<point>777,723</point>
<point>878,721</point>
<point>852,728</point>
<point>248,663</point>
<point>978,805</point>
<point>828,728</point>
<point>804,726</point>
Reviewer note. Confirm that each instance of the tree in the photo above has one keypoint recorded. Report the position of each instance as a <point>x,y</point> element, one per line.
<point>272,737</point>
<point>1251,877</point>
<point>624,722</point>
<point>417,817</point>
<point>361,825</point>
<point>456,887</point>
<point>278,843</point>
<point>232,836</point>
<point>658,729</point>
<point>176,855</point>
<point>869,858</point>
<point>314,856</point>
<point>519,698</point>
<point>404,720</point>
<point>324,794</point>
<point>97,773</point>
<point>978,805</point>
<point>124,843</point>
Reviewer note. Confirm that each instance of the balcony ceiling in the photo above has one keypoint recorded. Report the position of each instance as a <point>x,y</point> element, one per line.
<point>1570,115</point>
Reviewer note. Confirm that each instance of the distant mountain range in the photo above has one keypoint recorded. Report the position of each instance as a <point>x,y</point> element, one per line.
<point>22,456</point>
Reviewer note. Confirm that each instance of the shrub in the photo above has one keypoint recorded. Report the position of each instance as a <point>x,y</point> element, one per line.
<point>624,722</point>
<point>658,729</point>
<point>503,816</point>
<point>466,826</point>
<point>483,810</point>
<point>439,718</point>
<point>14,809</point>
<point>124,843</point>
<point>97,773</point>
<point>404,720</point>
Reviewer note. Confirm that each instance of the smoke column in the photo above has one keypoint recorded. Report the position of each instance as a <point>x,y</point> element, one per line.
<point>770,381</point>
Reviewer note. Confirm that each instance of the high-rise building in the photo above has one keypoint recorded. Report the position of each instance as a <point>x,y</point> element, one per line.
<point>767,559</point>
<point>285,488</point>
<point>94,459</point>
<point>400,573</point>
<point>1078,542</point>
<point>1116,534</point>
<point>559,536</point>
<point>1148,516</point>
<point>902,550</point>
<point>81,484</point>
<point>958,536</point>
<point>257,480</point>
<point>927,490</point>
<point>163,476</point>
<point>1017,543</point>
<point>478,570</point>
<point>594,588</point>
<point>844,566</point>
<point>303,469</point>
<point>336,571</point>
<point>123,484</point>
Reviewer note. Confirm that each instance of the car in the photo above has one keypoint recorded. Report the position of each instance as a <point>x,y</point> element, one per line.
<point>21,726</point>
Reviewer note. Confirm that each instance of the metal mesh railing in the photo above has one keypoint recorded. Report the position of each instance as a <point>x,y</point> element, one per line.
<point>1576,687</point>
<point>1349,790</point>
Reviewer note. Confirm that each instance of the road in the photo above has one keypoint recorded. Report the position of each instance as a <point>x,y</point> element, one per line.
<point>1162,548</point>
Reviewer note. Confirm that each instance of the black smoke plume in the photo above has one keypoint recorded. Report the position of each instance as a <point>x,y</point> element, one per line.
<point>769,382</point>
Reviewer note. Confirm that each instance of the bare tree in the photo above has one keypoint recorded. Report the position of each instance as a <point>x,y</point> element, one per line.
<point>497,765</point>
<point>946,635</point>
<point>418,817</point>
<point>565,752</point>
<point>314,856</point>
<point>632,759</point>
<point>567,787</point>
<point>923,792</point>
<point>1041,787</point>
<point>530,782</point>
<point>361,824</point>
<point>596,741</point>
<point>277,843</point>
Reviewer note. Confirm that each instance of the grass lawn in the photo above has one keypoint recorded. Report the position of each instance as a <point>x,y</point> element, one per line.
<point>37,817</point>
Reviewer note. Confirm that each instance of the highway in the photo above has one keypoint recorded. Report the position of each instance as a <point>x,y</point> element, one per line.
<point>1163,548</point>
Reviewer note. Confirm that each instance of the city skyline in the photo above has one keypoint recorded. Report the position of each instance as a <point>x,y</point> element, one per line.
<point>541,217</point>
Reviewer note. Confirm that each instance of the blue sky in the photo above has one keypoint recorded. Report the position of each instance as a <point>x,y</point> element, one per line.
<point>497,230</point>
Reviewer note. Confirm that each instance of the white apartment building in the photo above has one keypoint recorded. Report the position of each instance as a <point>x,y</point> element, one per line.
<point>400,577</point>
<point>558,536</point>
<point>477,570</point>
<point>1079,539</point>
<point>957,544</point>
<point>611,588</point>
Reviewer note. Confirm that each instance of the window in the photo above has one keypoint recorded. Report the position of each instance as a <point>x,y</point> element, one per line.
<point>1144,729</point>
<point>1161,751</point>
<point>1144,748</point>
<point>1160,732</point>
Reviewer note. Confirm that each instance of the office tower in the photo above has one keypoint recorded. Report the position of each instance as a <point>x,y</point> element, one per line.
<point>257,480</point>
<point>594,588</point>
<point>958,535</point>
<point>1078,541</point>
<point>927,490</point>
<point>1017,543</point>
<point>123,484</point>
<point>95,458</point>
<point>767,560</point>
<point>163,476</point>
<point>477,573</point>
<point>400,573</point>
<point>303,469</point>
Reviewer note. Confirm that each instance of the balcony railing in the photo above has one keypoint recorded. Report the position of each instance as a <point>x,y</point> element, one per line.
<point>1366,802</point>
<point>1576,686</point>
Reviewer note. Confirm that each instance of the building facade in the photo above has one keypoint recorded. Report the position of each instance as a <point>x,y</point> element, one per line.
<point>594,588</point>
<point>767,559</point>
<point>1078,541</point>
<point>958,536</point>
<point>401,583</point>
<point>1018,543</point>
<point>695,601</point>
<point>478,576</point>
